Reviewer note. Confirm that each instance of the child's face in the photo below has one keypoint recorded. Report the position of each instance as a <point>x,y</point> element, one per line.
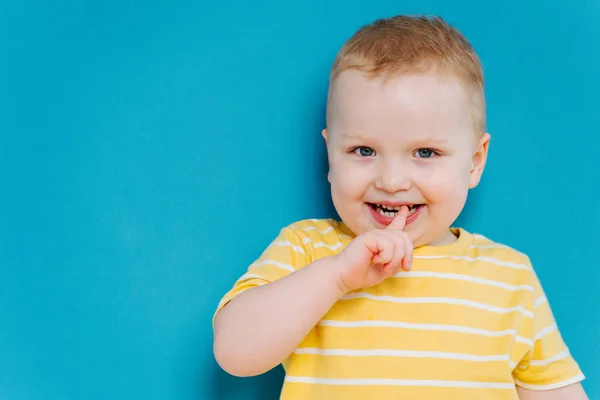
<point>409,139</point>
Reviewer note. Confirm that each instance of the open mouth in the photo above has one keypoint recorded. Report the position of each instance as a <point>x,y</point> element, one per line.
<point>392,211</point>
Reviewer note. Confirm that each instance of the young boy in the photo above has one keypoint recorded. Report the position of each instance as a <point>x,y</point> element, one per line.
<point>392,302</point>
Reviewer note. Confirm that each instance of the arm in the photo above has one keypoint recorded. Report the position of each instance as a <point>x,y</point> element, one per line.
<point>262,326</point>
<point>548,371</point>
<point>571,392</point>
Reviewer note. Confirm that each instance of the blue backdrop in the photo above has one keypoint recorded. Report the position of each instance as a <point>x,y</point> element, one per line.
<point>150,150</point>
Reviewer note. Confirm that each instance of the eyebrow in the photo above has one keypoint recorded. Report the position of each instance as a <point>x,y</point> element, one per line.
<point>431,140</point>
<point>353,135</point>
<point>422,141</point>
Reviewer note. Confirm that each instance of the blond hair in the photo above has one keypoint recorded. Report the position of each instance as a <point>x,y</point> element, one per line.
<point>405,44</point>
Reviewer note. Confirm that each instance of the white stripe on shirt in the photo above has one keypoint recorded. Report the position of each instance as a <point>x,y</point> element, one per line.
<point>425,327</point>
<point>546,331</point>
<point>398,382</point>
<point>489,246</point>
<point>552,386</point>
<point>314,228</point>
<point>400,353</point>
<point>330,247</point>
<point>541,363</point>
<point>540,301</point>
<point>439,300</point>
<point>286,267</point>
<point>467,278</point>
<point>285,243</point>
<point>484,259</point>
<point>246,277</point>
<point>322,244</point>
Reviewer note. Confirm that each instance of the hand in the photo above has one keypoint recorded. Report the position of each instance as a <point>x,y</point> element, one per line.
<point>376,255</point>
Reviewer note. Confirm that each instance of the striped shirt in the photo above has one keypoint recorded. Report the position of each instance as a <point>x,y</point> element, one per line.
<point>469,321</point>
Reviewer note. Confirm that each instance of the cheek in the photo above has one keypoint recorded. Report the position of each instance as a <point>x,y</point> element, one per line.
<point>348,180</point>
<point>342,184</point>
<point>447,182</point>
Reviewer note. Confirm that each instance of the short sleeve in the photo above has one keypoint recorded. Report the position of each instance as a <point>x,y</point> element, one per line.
<point>283,256</point>
<point>548,365</point>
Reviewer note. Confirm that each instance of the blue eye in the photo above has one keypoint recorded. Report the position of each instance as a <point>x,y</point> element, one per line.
<point>364,151</point>
<point>425,153</point>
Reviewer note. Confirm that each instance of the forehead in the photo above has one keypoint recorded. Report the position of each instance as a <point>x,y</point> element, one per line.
<point>415,104</point>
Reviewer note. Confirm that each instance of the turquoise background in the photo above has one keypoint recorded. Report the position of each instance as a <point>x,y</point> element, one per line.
<point>150,150</point>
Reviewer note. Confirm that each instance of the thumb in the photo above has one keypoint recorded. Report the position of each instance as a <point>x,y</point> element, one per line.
<point>399,220</point>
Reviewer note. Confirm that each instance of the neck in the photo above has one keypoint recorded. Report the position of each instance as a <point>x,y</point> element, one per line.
<point>447,238</point>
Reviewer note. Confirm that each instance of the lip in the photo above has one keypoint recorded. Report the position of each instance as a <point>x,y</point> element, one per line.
<point>385,221</point>
<point>393,204</point>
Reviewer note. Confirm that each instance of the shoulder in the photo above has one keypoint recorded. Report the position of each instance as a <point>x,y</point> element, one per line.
<point>492,256</point>
<point>512,266</point>
<point>483,246</point>
<point>323,228</point>
<point>320,237</point>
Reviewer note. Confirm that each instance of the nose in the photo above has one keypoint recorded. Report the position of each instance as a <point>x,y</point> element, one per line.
<point>393,177</point>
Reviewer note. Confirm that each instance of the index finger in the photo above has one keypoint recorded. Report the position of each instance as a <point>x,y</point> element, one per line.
<point>399,220</point>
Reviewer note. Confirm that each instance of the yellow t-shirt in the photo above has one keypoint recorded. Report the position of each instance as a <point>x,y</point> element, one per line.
<point>469,321</point>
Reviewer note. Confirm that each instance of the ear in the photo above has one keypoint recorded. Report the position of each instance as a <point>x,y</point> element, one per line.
<point>325,133</point>
<point>326,137</point>
<point>479,160</point>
